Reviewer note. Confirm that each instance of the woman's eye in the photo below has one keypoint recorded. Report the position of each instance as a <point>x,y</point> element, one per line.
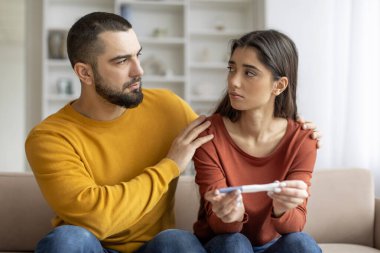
<point>250,73</point>
<point>230,69</point>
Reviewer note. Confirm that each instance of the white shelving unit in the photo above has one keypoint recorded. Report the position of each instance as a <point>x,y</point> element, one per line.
<point>161,29</point>
<point>60,85</point>
<point>185,44</point>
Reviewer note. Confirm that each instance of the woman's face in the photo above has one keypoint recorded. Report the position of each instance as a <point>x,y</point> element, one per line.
<point>250,83</point>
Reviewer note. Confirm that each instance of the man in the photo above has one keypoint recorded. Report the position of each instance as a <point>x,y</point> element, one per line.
<point>109,171</point>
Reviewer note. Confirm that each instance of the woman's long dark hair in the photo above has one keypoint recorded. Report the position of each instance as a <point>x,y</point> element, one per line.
<point>279,54</point>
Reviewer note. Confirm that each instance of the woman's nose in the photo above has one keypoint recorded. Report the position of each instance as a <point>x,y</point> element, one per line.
<point>234,80</point>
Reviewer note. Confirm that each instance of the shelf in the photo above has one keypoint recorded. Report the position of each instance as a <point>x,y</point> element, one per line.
<point>162,18</point>
<point>152,3</point>
<point>221,1</point>
<point>162,40</point>
<point>62,14</point>
<point>208,65</point>
<point>222,4</point>
<point>109,2</point>
<point>214,32</point>
<point>163,79</point>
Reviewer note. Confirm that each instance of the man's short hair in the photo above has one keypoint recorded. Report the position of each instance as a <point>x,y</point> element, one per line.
<point>82,40</point>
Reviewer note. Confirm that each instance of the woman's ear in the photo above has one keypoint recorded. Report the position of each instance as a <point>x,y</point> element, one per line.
<point>280,85</point>
<point>84,72</point>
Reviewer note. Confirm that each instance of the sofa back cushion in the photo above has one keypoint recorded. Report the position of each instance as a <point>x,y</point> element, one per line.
<point>186,203</point>
<point>24,215</point>
<point>341,207</point>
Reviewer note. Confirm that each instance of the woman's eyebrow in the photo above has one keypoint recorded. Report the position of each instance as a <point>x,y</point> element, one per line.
<point>251,67</point>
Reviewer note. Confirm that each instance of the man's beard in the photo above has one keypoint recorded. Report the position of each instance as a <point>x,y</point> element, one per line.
<point>127,100</point>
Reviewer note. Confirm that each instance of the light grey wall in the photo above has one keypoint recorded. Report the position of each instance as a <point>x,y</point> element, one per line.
<point>33,65</point>
<point>12,85</point>
<point>20,78</point>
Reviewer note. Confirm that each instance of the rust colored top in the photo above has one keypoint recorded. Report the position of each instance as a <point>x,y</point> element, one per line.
<point>221,163</point>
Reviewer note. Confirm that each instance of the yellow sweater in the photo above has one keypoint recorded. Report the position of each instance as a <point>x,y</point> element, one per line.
<point>111,177</point>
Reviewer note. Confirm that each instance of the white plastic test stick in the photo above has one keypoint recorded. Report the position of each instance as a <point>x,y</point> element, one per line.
<point>252,188</point>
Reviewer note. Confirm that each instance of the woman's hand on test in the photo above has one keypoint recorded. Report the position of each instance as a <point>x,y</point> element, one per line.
<point>228,207</point>
<point>289,196</point>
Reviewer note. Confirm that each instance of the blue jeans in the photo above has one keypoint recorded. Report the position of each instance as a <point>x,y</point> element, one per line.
<point>73,239</point>
<point>173,241</point>
<point>237,243</point>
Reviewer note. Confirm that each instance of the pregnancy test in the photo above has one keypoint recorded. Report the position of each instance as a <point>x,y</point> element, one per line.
<point>253,188</point>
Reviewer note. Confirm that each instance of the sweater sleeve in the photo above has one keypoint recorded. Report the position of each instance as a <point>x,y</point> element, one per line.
<point>301,168</point>
<point>73,194</point>
<point>210,176</point>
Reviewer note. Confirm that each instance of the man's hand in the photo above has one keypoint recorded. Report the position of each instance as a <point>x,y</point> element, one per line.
<point>289,196</point>
<point>227,206</point>
<point>316,135</point>
<point>185,144</point>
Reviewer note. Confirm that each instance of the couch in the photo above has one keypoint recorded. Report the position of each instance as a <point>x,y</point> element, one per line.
<point>343,214</point>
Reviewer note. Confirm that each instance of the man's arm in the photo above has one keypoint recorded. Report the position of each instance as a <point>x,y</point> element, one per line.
<point>184,146</point>
<point>72,192</point>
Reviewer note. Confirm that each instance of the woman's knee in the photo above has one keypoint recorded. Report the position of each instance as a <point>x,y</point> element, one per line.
<point>176,236</point>
<point>302,241</point>
<point>174,240</point>
<point>234,242</point>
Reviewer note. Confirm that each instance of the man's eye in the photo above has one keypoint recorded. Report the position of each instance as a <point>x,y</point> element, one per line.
<point>122,61</point>
<point>139,54</point>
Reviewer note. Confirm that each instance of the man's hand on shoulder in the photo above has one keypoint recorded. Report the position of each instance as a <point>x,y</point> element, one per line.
<point>185,144</point>
<point>316,135</point>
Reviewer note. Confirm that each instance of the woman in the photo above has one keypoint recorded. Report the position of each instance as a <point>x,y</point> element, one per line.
<point>256,141</point>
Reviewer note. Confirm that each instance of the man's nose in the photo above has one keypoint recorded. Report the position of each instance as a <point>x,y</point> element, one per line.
<point>136,69</point>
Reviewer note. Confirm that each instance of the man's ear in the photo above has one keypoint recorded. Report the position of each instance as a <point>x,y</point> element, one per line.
<point>280,85</point>
<point>84,72</point>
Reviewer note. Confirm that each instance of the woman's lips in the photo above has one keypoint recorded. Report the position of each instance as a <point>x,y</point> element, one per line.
<point>235,95</point>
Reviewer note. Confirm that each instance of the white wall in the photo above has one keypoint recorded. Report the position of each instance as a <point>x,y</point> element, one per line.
<point>12,85</point>
<point>307,22</point>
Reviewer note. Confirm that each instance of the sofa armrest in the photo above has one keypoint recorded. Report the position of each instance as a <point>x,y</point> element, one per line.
<point>377,224</point>
<point>24,214</point>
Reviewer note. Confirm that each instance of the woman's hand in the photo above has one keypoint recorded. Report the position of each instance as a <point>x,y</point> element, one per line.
<point>228,207</point>
<point>288,197</point>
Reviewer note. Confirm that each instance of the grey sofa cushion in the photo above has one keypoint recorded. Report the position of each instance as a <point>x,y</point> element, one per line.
<point>342,207</point>
<point>346,248</point>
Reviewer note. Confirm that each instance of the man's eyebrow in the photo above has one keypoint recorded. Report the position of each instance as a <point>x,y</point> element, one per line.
<point>124,57</point>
